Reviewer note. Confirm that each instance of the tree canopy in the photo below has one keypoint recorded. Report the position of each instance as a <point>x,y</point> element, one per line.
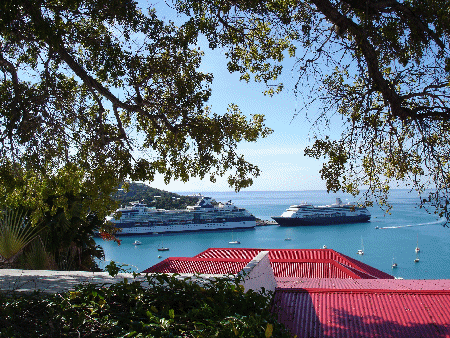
<point>383,66</point>
<point>96,92</point>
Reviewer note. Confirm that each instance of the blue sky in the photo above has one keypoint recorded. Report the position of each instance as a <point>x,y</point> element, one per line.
<point>280,155</point>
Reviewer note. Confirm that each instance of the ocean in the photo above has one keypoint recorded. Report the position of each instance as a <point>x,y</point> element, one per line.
<point>395,238</point>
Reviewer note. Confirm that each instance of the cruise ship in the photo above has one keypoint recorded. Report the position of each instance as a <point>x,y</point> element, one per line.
<point>307,214</point>
<point>138,218</point>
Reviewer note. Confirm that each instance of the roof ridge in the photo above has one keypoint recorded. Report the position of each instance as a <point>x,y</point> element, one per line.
<point>371,291</point>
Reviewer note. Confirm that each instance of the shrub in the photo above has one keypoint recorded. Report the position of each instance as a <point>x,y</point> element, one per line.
<point>166,307</point>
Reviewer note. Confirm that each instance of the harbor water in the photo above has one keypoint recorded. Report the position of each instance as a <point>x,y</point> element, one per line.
<point>386,238</point>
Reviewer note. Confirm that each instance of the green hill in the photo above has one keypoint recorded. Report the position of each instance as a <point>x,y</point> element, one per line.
<point>153,197</point>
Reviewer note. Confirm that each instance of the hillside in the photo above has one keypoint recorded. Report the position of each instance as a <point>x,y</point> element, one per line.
<point>152,197</point>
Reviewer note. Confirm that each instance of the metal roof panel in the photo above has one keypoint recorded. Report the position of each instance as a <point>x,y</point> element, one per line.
<point>363,284</point>
<point>346,267</point>
<point>365,314</point>
<point>196,265</point>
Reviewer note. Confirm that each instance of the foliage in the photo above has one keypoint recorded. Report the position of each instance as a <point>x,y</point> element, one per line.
<point>69,238</point>
<point>93,93</point>
<point>62,207</point>
<point>61,238</point>
<point>168,308</point>
<point>383,66</point>
<point>113,269</point>
<point>100,92</point>
<point>36,257</point>
<point>16,233</point>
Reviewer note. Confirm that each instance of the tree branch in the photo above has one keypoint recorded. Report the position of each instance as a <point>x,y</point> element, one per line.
<point>55,41</point>
<point>370,55</point>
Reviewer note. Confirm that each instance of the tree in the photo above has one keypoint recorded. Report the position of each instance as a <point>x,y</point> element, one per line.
<point>96,92</point>
<point>383,66</point>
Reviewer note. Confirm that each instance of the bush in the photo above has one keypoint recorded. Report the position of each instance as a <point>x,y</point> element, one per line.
<point>167,307</point>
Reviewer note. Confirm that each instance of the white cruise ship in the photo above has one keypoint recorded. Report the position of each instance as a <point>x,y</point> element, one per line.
<point>307,214</point>
<point>138,218</point>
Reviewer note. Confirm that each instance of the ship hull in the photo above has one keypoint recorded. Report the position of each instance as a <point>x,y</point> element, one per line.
<point>295,221</point>
<point>135,229</point>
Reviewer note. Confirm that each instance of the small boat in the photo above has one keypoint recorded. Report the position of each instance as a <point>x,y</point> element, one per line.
<point>324,247</point>
<point>416,260</point>
<point>417,246</point>
<point>162,247</point>
<point>288,239</point>
<point>136,242</point>
<point>377,227</point>
<point>394,265</point>
<point>361,251</point>
<point>233,241</point>
<point>159,256</point>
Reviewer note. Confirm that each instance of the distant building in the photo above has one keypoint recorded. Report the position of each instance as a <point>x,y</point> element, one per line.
<point>323,293</point>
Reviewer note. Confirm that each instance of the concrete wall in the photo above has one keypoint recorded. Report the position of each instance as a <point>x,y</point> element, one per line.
<point>258,274</point>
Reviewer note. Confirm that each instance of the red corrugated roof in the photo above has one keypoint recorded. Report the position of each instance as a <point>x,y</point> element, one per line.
<point>362,284</point>
<point>198,265</point>
<point>312,263</point>
<point>344,297</point>
<point>229,253</point>
<point>364,313</point>
<point>361,266</point>
<point>311,269</point>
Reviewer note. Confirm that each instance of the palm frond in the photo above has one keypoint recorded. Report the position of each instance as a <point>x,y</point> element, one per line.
<point>37,258</point>
<point>16,232</point>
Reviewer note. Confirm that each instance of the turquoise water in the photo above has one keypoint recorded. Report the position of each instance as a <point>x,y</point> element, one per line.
<point>397,238</point>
